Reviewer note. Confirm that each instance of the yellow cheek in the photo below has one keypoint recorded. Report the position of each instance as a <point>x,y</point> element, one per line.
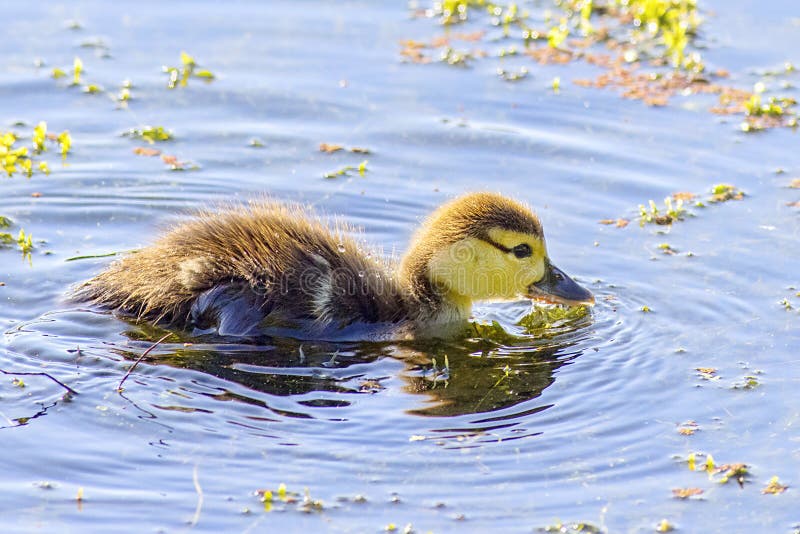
<point>476,270</point>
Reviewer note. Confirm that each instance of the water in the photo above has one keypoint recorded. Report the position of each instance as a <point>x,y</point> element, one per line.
<point>579,425</point>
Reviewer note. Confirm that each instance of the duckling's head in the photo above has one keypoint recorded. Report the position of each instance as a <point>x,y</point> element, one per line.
<point>484,246</point>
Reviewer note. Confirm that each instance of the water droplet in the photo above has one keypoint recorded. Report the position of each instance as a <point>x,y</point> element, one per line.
<point>341,247</point>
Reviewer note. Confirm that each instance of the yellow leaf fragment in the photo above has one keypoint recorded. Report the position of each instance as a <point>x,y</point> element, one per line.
<point>144,151</point>
<point>186,59</point>
<point>685,493</point>
<point>664,526</point>
<point>774,487</point>
<point>77,69</point>
<point>329,148</point>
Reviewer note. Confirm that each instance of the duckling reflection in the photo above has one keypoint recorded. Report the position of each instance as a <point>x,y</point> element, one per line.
<point>478,378</point>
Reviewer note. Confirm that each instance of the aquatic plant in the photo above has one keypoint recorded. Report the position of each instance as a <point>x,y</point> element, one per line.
<point>646,49</point>
<point>179,76</point>
<point>23,240</point>
<point>547,321</point>
<point>653,215</point>
<point>18,159</point>
<point>151,134</point>
<point>347,169</point>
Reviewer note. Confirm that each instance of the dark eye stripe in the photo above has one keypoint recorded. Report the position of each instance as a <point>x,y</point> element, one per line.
<point>523,250</point>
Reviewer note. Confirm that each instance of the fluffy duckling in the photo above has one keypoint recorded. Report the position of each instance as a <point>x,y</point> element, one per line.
<point>244,269</point>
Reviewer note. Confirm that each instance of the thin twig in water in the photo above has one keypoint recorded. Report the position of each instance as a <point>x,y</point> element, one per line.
<point>199,491</point>
<point>140,358</point>
<point>40,373</point>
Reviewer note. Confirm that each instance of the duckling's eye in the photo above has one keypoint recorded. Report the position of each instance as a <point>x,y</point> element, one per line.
<point>523,250</point>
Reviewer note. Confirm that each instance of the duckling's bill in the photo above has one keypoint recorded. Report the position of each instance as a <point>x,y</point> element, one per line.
<point>556,287</point>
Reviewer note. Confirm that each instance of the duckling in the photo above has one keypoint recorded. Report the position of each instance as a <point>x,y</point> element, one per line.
<point>237,271</point>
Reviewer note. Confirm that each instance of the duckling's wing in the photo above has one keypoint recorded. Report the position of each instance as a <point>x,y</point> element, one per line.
<point>232,309</point>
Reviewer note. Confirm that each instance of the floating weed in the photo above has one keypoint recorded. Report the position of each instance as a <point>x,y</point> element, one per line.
<point>25,242</point>
<point>451,56</point>
<point>151,134</point>
<point>513,76</point>
<point>664,526</point>
<point>64,143</point>
<point>339,172</point>
<point>77,69</point>
<point>707,373</point>
<point>256,143</point>
<point>144,151</point>
<point>16,159</point>
<point>309,505</point>
<point>674,209</point>
<point>282,495</point>
<point>347,169</point>
<point>124,95</point>
<point>685,196</point>
<point>725,192</point>
<point>737,472</point>
<point>179,76</point>
<point>634,42</point>
<point>774,487</point>
<point>330,148</point>
<point>619,223</point>
<point>549,321</point>
<point>493,331</point>
<point>685,493</point>
<point>39,137</point>
<point>688,428</point>
<point>572,528</point>
<point>175,164</point>
<point>747,382</point>
<point>665,248</point>
<point>5,222</point>
<point>653,215</point>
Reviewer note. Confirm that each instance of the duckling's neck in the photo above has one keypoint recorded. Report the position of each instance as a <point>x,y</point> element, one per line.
<point>431,307</point>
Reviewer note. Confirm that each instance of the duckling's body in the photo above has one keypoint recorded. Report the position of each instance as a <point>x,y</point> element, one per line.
<point>241,270</point>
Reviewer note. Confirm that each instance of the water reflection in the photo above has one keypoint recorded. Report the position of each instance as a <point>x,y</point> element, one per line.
<point>470,376</point>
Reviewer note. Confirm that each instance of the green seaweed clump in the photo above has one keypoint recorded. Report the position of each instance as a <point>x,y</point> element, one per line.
<point>547,321</point>
<point>725,192</point>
